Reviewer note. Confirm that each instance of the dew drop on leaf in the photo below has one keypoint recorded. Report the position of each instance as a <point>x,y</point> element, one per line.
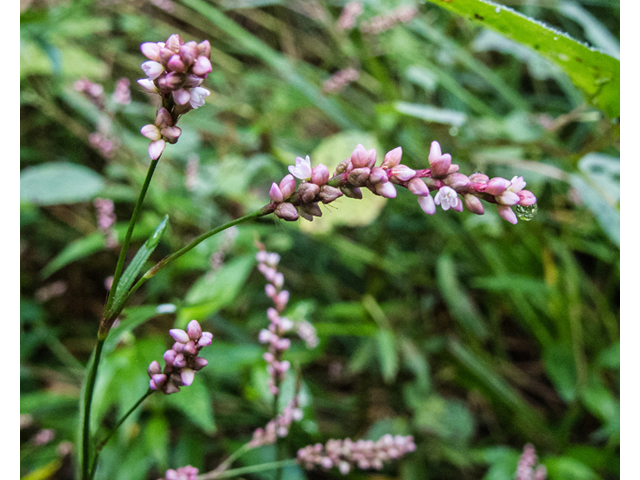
<point>526,213</point>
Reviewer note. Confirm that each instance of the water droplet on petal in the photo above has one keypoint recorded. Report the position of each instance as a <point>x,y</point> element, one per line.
<point>526,214</point>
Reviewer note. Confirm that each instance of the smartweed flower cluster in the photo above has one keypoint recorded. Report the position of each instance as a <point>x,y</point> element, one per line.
<point>452,189</point>
<point>175,71</point>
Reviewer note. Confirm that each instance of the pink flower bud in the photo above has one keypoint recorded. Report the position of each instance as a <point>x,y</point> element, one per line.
<point>151,132</point>
<point>402,173</point>
<point>418,187</point>
<point>427,204</point>
<point>182,96</point>
<point>200,363</point>
<point>505,212</point>
<point>163,118</point>
<point>386,190</point>
<point>151,50</point>
<point>286,211</point>
<point>275,194</point>
<point>202,66</point>
<point>187,375</point>
<point>497,185</point>
<point>194,330</point>
<point>378,175</point>
<point>473,204</point>
<point>148,85</point>
<point>439,162</point>
<point>526,198</point>
<point>508,198</point>
<point>479,178</point>
<point>169,356</point>
<point>154,368</point>
<point>174,42</point>
<point>204,48</point>
<point>392,158</point>
<point>328,194</point>
<point>457,181</point>
<point>351,192</point>
<point>358,176</point>
<point>171,134</point>
<point>320,175</point>
<point>179,335</point>
<point>205,341</point>
<point>156,148</point>
<point>288,186</point>
<point>361,157</point>
<point>152,69</point>
<point>175,64</point>
<point>308,192</point>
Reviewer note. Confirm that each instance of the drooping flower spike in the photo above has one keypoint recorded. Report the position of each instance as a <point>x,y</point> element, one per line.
<point>453,190</point>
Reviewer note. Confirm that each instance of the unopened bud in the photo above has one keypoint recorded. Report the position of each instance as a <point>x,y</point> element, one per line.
<point>473,204</point>
<point>286,211</point>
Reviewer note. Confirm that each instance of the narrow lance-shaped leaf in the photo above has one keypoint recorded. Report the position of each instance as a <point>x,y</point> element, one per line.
<point>595,73</point>
<point>130,274</point>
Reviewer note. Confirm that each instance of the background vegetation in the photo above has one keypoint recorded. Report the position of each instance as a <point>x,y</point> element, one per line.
<point>473,335</point>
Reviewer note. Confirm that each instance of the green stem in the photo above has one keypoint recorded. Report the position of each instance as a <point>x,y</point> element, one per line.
<point>232,458</point>
<point>101,445</point>
<point>251,469</point>
<point>115,311</point>
<point>127,237</point>
<point>88,396</point>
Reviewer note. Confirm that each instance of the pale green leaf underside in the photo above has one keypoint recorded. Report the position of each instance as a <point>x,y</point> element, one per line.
<point>595,73</point>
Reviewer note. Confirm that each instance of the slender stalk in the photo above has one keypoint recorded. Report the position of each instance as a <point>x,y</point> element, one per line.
<point>115,311</point>
<point>232,458</point>
<point>86,419</point>
<point>101,445</point>
<point>127,237</point>
<point>251,469</point>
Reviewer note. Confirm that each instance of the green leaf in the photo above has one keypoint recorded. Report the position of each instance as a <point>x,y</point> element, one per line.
<point>76,250</point>
<point>595,73</point>
<point>448,419</point>
<point>561,367</point>
<point>387,354</point>
<point>566,468</point>
<point>216,290</point>
<point>195,402</point>
<point>459,303</point>
<point>59,183</point>
<point>594,198</point>
<point>130,274</point>
<point>431,114</point>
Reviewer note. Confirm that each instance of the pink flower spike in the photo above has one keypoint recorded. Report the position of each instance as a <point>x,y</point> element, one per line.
<point>275,194</point>
<point>505,212</point>
<point>151,50</point>
<point>179,335</point>
<point>187,375</point>
<point>156,148</point>
<point>151,132</point>
<point>152,69</point>
<point>392,158</point>
<point>526,198</point>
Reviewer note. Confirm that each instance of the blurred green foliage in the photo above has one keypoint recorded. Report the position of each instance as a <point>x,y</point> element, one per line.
<point>473,335</point>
